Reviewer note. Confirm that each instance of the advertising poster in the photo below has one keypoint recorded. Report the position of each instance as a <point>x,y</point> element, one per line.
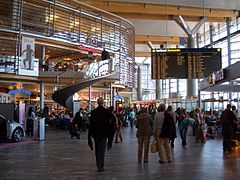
<point>28,65</point>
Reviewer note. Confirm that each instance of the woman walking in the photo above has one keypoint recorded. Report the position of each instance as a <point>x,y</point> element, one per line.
<point>144,131</point>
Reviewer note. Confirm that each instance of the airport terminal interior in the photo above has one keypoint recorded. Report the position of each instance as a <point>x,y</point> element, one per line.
<point>57,57</point>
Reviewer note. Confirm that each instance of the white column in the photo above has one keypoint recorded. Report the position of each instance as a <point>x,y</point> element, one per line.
<point>41,96</point>
<point>89,97</point>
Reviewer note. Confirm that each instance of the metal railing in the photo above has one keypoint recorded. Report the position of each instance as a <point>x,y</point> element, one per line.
<point>73,23</point>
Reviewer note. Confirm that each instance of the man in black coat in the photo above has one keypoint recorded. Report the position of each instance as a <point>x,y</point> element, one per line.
<point>227,120</point>
<point>78,119</point>
<point>100,129</point>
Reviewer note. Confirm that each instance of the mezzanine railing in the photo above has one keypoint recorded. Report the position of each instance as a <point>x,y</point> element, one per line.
<point>69,24</point>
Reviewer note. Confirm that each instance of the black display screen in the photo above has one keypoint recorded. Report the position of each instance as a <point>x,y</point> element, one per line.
<point>189,63</point>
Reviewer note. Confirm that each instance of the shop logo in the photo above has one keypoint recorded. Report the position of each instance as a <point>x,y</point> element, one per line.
<point>24,91</point>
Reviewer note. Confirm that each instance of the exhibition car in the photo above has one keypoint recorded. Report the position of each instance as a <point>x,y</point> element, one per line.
<point>10,129</point>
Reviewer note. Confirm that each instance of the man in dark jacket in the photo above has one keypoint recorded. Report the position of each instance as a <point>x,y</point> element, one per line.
<point>227,119</point>
<point>78,119</point>
<point>100,129</point>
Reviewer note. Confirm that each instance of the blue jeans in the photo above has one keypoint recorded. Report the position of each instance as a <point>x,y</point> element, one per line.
<point>183,134</point>
<point>100,146</point>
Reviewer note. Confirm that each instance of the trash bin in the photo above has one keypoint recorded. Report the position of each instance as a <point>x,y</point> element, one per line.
<point>39,129</point>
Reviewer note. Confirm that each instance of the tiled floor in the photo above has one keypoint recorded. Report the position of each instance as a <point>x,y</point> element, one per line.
<point>60,157</point>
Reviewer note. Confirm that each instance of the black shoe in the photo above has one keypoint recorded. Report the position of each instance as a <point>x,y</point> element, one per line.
<point>145,161</point>
<point>162,162</point>
<point>116,142</point>
<point>101,170</point>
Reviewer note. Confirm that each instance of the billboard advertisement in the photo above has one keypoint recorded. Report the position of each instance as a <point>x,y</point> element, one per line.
<point>28,64</point>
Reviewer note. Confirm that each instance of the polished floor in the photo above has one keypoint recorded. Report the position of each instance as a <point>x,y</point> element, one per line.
<point>61,157</point>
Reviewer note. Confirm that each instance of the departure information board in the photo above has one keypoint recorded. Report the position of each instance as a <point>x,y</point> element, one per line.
<point>187,63</point>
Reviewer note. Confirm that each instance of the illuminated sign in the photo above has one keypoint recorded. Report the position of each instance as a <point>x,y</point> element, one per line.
<point>185,63</point>
<point>216,77</point>
<point>24,91</point>
<point>84,48</point>
<point>173,50</point>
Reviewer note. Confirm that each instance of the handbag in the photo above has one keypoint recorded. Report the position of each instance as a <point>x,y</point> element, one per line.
<point>154,147</point>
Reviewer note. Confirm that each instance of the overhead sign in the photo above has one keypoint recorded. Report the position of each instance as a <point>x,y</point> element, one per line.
<point>216,76</point>
<point>185,63</point>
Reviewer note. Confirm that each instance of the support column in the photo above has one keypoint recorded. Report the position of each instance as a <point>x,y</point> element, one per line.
<point>229,51</point>
<point>197,38</point>
<point>158,89</point>
<point>111,95</point>
<point>43,53</point>
<point>139,83</point>
<point>89,97</point>
<point>211,45</point>
<point>191,83</point>
<point>41,96</point>
<point>228,40</point>
<point>105,98</point>
<point>177,87</point>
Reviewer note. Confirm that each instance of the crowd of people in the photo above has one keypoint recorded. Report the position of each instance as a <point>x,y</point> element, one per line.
<point>104,126</point>
<point>161,123</point>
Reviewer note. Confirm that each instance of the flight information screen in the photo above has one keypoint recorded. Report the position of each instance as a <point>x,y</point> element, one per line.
<point>187,63</point>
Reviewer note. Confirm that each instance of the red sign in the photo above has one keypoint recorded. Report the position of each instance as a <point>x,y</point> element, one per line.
<point>81,47</point>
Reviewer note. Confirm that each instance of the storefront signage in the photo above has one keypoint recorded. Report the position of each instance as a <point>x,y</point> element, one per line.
<point>24,91</point>
<point>216,77</point>
<point>84,48</point>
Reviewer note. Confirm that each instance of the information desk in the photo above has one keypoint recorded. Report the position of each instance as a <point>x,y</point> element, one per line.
<point>186,63</point>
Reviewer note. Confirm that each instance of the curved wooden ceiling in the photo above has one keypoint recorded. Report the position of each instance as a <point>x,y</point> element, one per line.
<point>141,10</point>
<point>131,10</point>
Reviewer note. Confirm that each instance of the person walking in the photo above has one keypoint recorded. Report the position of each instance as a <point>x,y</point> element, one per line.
<point>199,123</point>
<point>144,125</point>
<point>174,134</point>
<point>100,129</point>
<point>131,117</point>
<point>119,126</point>
<point>227,119</point>
<point>78,119</point>
<point>163,128</point>
<point>113,128</point>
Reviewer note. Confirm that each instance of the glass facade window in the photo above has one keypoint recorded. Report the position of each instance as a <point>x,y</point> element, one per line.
<point>170,86</point>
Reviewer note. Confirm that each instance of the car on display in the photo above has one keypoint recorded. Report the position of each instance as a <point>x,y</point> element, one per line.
<point>10,129</point>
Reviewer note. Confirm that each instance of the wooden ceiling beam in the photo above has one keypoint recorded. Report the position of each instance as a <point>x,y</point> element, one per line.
<point>168,17</point>
<point>142,39</point>
<point>142,54</point>
<point>159,9</point>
